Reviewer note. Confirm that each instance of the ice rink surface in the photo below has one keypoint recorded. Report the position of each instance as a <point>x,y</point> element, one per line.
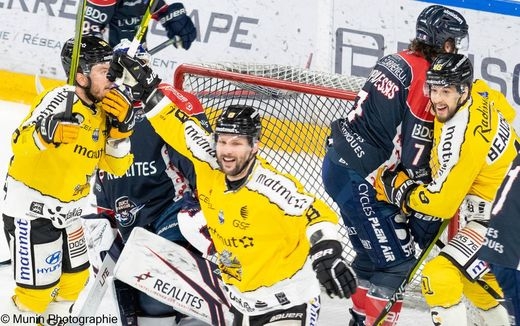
<point>334,312</point>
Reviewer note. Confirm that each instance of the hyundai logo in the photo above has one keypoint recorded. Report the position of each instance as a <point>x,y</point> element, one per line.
<point>53,258</point>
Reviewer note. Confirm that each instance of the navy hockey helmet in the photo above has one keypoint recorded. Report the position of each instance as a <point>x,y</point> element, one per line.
<point>436,24</point>
<point>93,50</point>
<point>450,69</point>
<point>239,120</point>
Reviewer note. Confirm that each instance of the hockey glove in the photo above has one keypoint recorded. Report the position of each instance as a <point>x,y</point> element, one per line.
<point>331,269</point>
<point>136,74</point>
<point>121,113</point>
<point>394,187</point>
<point>177,24</point>
<point>55,129</point>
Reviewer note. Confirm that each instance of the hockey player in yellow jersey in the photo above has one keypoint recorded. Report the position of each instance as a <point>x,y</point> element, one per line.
<point>474,146</point>
<point>48,179</point>
<point>268,233</point>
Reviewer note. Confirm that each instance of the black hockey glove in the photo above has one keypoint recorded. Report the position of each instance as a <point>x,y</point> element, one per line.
<point>331,269</point>
<point>177,24</point>
<point>136,74</point>
<point>55,129</point>
<point>120,111</point>
<point>394,187</point>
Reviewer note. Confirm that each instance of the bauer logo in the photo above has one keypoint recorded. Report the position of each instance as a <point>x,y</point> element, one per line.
<point>102,3</point>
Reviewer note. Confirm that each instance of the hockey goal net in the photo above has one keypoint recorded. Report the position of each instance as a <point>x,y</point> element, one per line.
<point>297,106</point>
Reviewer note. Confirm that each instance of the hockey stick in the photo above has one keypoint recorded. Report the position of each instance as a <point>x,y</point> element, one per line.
<point>80,16</point>
<point>132,50</point>
<point>397,294</point>
<point>98,289</point>
<point>163,45</point>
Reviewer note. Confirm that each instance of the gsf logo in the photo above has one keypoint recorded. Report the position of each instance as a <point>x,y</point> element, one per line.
<point>240,224</point>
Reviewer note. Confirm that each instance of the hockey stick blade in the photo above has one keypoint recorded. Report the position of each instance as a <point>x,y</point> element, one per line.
<point>424,254</point>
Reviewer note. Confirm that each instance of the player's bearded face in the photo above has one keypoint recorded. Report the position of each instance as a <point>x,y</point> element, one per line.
<point>234,153</point>
<point>99,84</point>
<point>445,101</point>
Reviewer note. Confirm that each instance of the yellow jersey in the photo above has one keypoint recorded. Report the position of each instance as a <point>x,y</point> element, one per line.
<point>259,230</point>
<point>471,155</point>
<point>53,181</point>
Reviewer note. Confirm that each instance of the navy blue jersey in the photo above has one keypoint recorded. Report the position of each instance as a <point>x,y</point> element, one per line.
<point>158,176</point>
<point>502,241</point>
<point>122,17</point>
<point>391,120</point>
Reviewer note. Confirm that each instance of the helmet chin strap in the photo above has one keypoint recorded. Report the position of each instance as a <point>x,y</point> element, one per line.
<point>461,104</point>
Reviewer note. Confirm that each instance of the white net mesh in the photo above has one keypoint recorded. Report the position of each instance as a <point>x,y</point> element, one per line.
<point>297,106</point>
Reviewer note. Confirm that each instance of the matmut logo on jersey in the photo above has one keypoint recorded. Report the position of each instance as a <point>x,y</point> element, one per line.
<point>200,144</point>
<point>280,190</point>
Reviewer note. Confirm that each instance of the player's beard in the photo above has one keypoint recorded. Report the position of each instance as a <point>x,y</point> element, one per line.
<point>240,164</point>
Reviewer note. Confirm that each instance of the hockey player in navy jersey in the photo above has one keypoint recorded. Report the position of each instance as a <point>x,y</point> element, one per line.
<point>390,124</point>
<point>123,17</point>
<point>502,244</point>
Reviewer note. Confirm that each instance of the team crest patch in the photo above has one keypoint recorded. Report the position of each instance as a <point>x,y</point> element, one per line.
<point>126,211</point>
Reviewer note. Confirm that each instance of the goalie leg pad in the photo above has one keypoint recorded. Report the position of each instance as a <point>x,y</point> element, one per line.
<point>441,283</point>
<point>374,227</point>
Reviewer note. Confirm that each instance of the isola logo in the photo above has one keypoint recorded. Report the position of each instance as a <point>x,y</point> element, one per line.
<point>53,258</point>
